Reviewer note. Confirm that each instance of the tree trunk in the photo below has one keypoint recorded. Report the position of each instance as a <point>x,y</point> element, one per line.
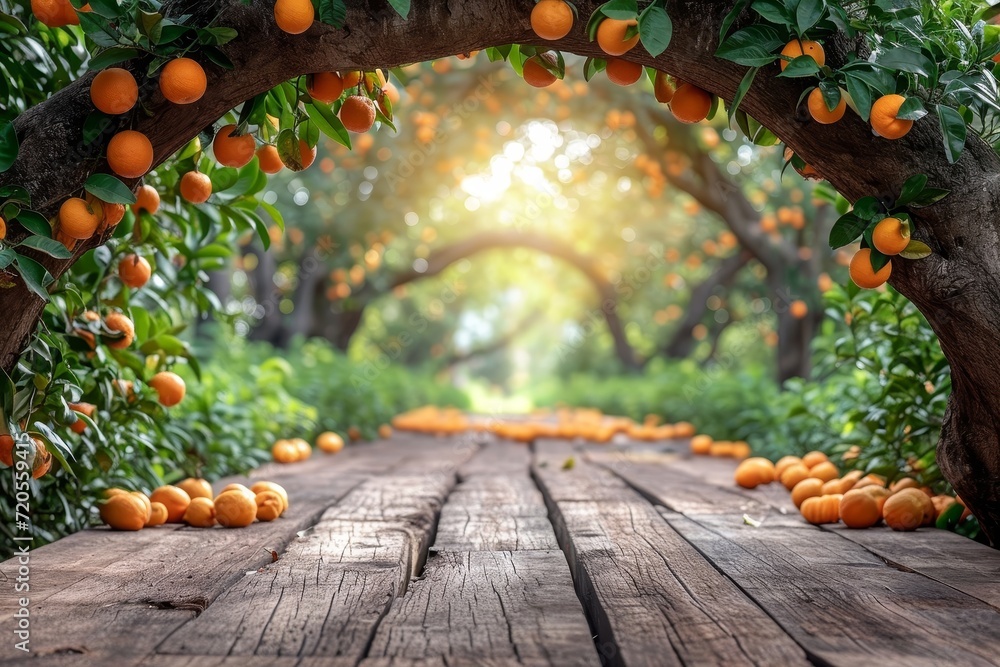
<point>957,288</point>
<point>266,295</point>
<point>310,276</point>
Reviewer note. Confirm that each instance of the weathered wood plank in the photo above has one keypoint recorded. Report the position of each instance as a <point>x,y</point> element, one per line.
<point>326,594</point>
<point>653,599</point>
<point>498,457</point>
<point>842,603</point>
<point>486,606</point>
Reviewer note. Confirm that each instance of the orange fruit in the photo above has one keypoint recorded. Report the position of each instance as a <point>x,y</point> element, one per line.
<point>794,474</point>
<point>883,117</point>
<point>329,442</point>
<point>294,16</point>
<point>269,160</point>
<point>123,512</point>
<point>307,155</point>
<point>796,48</point>
<point>690,104</point>
<point>42,461</point>
<point>269,505</point>
<point>117,322</point>
<point>235,486</point>
<point>534,72</point>
<point>88,409</point>
<point>54,13</point>
<point>611,36</point>
<point>196,487</point>
<point>357,113</point>
<point>351,79</point>
<point>859,509</point>
<point>284,451</point>
<point>261,486</point>
<point>146,199</point>
<point>890,237</point>
<point>904,483</point>
<point>3,229</point>
<point>807,488</point>
<point>113,214</point>
<point>862,272</point>
<point>235,509</point>
<point>130,154</point>
<point>183,81</point>
<point>233,150</point>
<point>701,444</point>
<point>784,462</point>
<point>170,388</point>
<point>303,448</point>
<point>385,431</point>
<point>663,88</point>
<point>814,458</point>
<point>552,19</point>
<point>78,219</point>
<point>820,112</point>
<point>754,472</point>
<point>824,471</point>
<point>176,501</point>
<point>114,91</point>
<point>821,509</point>
<point>353,433</point>
<point>157,515</point>
<point>147,506</point>
<point>134,271</point>
<point>200,513</point>
<point>196,187</point>
<point>798,309</point>
<point>6,450</point>
<point>326,87</point>
<point>907,510</point>
<point>623,72</point>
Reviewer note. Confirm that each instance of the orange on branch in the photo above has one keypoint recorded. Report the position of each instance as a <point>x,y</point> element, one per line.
<point>294,16</point>
<point>114,91</point>
<point>357,113</point>
<point>623,72</point>
<point>78,219</point>
<point>890,236</point>
<point>535,72</point>
<point>119,323</point>
<point>183,81</point>
<point>233,150</point>
<point>146,199</point>
<point>552,19</point>
<point>307,155</point>
<point>691,104</point>
<point>820,112</point>
<point>805,47</point>
<point>196,187</point>
<point>327,87</point>
<point>170,388</point>
<point>134,271</point>
<point>611,36</point>
<point>862,272</point>
<point>883,117</point>
<point>663,88</point>
<point>269,160</point>
<point>130,154</point>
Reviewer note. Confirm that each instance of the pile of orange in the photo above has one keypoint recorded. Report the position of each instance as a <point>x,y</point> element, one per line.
<point>291,450</point>
<point>825,496</point>
<point>191,501</point>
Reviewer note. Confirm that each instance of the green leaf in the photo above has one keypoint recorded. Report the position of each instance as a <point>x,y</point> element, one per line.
<point>99,30</point>
<point>35,276</point>
<point>333,12</point>
<point>878,260</point>
<point>16,194</point>
<point>867,208</point>
<point>35,222</point>
<point>731,17</point>
<point>12,25</point>
<point>220,36</point>
<point>846,230</point>
<point>954,130</point>
<point>8,147</point>
<point>913,186</point>
<point>911,109</point>
<point>929,196</point>
<point>289,150</point>
<point>217,56</point>
<point>808,14</point>
<point>906,59</point>
<point>775,12</point>
<point>915,250</point>
<point>655,29</point>
<point>112,56</point>
<point>328,123</point>
<point>623,10</point>
<point>800,67</point>
<point>860,94</point>
<point>402,7</point>
<point>742,89</point>
<point>94,126</point>
<point>109,9</point>
<point>274,213</point>
<point>752,46</point>
<point>49,246</point>
<point>108,188</point>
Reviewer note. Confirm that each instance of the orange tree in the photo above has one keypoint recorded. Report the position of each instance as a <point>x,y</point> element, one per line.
<point>916,147</point>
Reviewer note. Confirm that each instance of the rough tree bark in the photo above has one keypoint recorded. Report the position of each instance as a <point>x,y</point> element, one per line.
<point>957,287</point>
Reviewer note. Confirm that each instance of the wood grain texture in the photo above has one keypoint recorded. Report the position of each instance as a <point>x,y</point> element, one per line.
<point>483,607</point>
<point>653,599</point>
